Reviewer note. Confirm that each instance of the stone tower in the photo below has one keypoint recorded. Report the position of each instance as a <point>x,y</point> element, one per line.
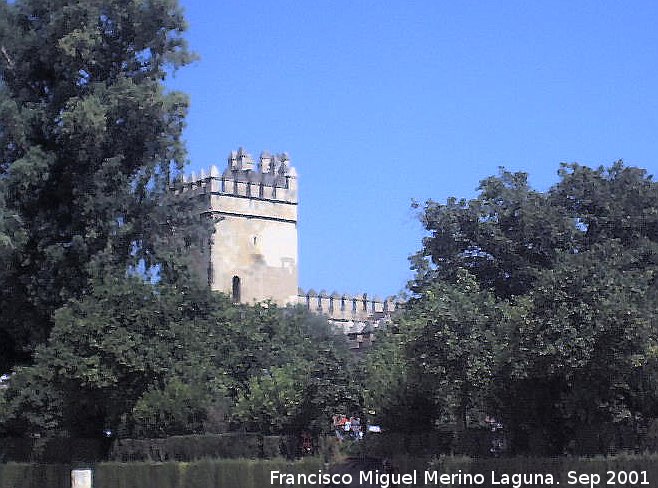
<point>252,255</point>
<point>253,252</point>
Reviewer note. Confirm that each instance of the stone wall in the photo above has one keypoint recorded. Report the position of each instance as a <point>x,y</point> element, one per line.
<point>356,316</point>
<point>253,252</point>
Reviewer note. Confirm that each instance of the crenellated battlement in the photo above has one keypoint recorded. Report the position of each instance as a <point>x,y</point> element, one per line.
<point>253,251</point>
<point>358,317</point>
<point>274,179</point>
<point>346,307</point>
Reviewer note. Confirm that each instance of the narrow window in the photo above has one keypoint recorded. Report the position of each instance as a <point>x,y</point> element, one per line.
<point>211,274</point>
<point>331,304</point>
<point>236,289</point>
<point>342,304</point>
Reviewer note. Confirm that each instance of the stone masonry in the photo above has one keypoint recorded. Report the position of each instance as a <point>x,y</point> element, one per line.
<point>253,253</point>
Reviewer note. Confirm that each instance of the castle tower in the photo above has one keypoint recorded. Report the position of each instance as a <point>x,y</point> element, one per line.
<point>253,255</point>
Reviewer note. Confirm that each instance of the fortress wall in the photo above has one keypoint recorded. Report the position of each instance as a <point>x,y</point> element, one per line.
<point>252,255</point>
<point>236,186</point>
<point>261,253</point>
<point>345,307</point>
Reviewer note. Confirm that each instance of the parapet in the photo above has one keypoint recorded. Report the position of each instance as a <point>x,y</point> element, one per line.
<point>274,179</point>
<point>343,307</point>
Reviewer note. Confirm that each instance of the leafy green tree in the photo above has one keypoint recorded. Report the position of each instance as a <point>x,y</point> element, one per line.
<point>271,402</point>
<point>308,376</point>
<point>583,350</point>
<point>455,342</point>
<point>554,333</point>
<point>122,344</point>
<point>88,141</point>
<point>109,328</point>
<point>176,409</point>
<point>332,388</point>
<point>146,359</point>
<point>504,237</point>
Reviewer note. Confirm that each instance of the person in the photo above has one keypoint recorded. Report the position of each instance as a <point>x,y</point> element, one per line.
<point>339,423</point>
<point>356,427</point>
<point>347,426</point>
<point>307,444</point>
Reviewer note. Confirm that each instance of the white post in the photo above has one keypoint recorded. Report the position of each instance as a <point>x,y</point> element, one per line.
<point>81,478</point>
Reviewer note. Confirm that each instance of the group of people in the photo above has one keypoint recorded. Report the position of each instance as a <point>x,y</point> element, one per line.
<point>347,427</point>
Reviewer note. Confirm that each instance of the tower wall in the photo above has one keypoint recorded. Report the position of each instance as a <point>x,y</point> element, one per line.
<point>255,241</point>
<point>253,251</point>
<point>252,254</point>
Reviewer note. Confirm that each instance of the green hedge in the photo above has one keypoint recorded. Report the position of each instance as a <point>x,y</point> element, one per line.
<point>558,467</point>
<point>192,447</point>
<point>176,448</point>
<point>224,473</point>
<point>54,450</point>
<point>246,473</point>
<point>13,475</point>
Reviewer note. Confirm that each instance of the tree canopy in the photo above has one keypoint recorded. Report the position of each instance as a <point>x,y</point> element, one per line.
<point>88,140</point>
<point>109,327</point>
<point>536,308</point>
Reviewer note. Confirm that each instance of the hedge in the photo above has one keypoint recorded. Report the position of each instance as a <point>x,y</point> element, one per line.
<point>559,467</point>
<point>15,475</point>
<point>246,473</point>
<point>63,450</point>
<point>193,447</point>
<point>224,473</point>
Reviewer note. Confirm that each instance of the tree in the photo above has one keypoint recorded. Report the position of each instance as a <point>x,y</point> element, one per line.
<point>113,351</point>
<point>306,376</point>
<point>270,404</point>
<point>455,342</point>
<point>584,344</point>
<point>109,326</point>
<point>503,237</point>
<point>88,142</point>
<point>555,330</point>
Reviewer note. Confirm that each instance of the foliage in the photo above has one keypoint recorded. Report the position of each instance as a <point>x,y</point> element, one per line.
<point>88,140</point>
<point>109,330</point>
<point>175,409</point>
<point>238,473</point>
<point>456,331</point>
<point>192,447</point>
<point>150,360</point>
<point>271,402</point>
<point>304,392</point>
<point>106,350</point>
<point>538,309</point>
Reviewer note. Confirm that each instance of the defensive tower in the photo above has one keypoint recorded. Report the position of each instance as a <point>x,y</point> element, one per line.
<point>252,255</point>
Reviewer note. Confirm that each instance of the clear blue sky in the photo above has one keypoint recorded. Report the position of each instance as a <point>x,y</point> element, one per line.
<point>379,103</point>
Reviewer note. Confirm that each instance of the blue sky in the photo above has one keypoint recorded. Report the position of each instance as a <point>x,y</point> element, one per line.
<point>378,103</point>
